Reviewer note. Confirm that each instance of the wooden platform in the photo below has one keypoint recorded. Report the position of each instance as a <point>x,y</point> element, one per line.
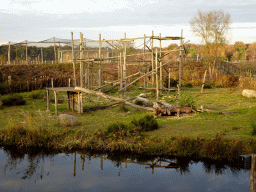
<point>75,101</point>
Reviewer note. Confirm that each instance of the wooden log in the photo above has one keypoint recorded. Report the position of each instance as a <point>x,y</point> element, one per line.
<point>112,98</point>
<point>217,111</point>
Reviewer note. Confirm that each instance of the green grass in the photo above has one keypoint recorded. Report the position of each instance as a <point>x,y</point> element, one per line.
<point>34,123</point>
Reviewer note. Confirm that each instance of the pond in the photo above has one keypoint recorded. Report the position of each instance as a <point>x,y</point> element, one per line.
<point>79,171</point>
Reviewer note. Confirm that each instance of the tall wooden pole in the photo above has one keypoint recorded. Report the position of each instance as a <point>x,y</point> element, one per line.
<point>157,88</point>
<point>42,56</point>
<point>73,56</point>
<point>152,46</point>
<point>81,57</point>
<point>124,68</point>
<point>100,62</point>
<point>54,47</point>
<point>26,52</point>
<point>180,63</point>
<point>144,67</point>
<point>161,67</point>
<point>121,73</point>
<point>9,53</point>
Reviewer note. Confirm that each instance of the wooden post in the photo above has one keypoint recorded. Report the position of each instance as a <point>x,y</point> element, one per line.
<point>203,81</point>
<point>144,50</point>
<point>124,67</point>
<point>73,56</point>
<point>100,62</point>
<point>81,57</point>
<point>161,68</point>
<point>54,47</point>
<point>42,56</point>
<point>180,62</point>
<point>88,80</point>
<point>253,174</point>
<point>52,82</point>
<point>157,89</point>
<point>121,73</point>
<point>79,103</point>
<point>26,52</point>
<point>152,46</point>
<point>9,53</point>
<point>68,82</point>
<point>56,103</point>
<point>48,100</point>
<point>169,80</point>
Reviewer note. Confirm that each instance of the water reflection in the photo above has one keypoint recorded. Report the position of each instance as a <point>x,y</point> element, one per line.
<point>88,169</point>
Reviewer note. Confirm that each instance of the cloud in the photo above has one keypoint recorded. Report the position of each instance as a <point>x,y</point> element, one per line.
<point>69,7</point>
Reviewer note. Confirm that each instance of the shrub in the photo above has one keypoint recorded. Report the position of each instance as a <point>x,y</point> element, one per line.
<point>146,123</point>
<point>207,86</point>
<point>230,81</point>
<point>218,86</point>
<point>13,99</point>
<point>115,127</point>
<point>36,95</point>
<point>188,85</point>
<point>186,100</point>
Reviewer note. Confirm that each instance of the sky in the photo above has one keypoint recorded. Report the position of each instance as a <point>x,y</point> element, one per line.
<point>37,20</point>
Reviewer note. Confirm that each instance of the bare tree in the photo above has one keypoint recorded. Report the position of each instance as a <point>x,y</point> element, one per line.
<point>212,27</point>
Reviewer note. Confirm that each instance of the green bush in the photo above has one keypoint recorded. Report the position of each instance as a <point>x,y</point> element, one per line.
<point>13,99</point>
<point>115,127</point>
<point>186,100</point>
<point>218,86</point>
<point>36,95</point>
<point>146,123</point>
<point>188,85</point>
<point>207,86</point>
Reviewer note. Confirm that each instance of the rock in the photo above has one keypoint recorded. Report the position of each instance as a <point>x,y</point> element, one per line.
<point>67,120</point>
<point>249,93</point>
<point>143,101</point>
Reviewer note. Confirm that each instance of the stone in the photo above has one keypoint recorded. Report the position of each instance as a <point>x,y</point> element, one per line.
<point>249,93</point>
<point>144,101</point>
<point>67,120</point>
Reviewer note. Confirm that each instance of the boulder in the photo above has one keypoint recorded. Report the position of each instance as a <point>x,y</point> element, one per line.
<point>143,101</point>
<point>249,93</point>
<point>67,120</point>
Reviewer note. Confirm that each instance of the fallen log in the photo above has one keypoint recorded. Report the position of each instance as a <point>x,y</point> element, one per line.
<point>163,108</point>
<point>112,98</point>
<point>106,106</point>
<point>217,111</point>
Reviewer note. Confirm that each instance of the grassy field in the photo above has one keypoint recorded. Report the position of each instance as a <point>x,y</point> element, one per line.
<point>207,126</point>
